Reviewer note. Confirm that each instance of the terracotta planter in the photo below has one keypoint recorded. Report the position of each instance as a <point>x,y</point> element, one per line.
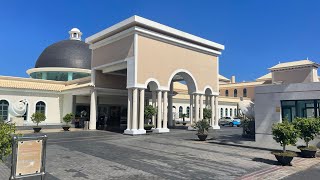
<point>66,128</point>
<point>202,137</point>
<point>36,129</point>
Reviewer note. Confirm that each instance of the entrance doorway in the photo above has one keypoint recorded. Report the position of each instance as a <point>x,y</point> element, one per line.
<point>112,118</point>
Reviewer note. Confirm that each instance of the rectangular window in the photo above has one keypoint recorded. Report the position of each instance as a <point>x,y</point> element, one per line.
<point>299,108</point>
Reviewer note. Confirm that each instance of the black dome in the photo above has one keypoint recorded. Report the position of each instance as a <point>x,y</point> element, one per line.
<point>66,53</point>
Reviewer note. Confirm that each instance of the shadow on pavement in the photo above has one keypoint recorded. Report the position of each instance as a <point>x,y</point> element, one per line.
<point>266,161</point>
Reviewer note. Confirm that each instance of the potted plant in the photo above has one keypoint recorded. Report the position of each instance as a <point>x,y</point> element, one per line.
<point>37,118</point>
<point>202,127</point>
<point>148,127</point>
<point>67,119</point>
<point>149,111</point>
<point>284,133</point>
<point>183,119</point>
<point>308,128</point>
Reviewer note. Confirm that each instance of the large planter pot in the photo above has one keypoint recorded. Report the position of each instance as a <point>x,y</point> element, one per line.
<point>202,137</point>
<point>285,158</point>
<point>36,129</point>
<point>308,152</point>
<point>66,128</point>
<point>184,123</point>
<point>148,128</point>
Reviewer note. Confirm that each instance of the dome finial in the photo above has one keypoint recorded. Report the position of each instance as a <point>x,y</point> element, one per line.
<point>75,34</point>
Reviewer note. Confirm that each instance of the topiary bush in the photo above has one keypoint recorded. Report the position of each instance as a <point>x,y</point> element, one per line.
<point>68,118</point>
<point>38,117</point>
<point>207,114</point>
<point>308,128</point>
<point>149,111</point>
<point>284,133</point>
<point>6,131</point>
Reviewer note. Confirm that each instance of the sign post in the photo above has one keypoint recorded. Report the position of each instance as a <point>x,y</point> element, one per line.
<point>28,157</point>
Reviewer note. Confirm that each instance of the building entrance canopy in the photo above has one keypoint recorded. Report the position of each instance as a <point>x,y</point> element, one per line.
<point>153,55</point>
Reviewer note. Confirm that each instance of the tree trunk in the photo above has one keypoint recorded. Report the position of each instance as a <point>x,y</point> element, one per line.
<point>284,148</point>
<point>307,143</point>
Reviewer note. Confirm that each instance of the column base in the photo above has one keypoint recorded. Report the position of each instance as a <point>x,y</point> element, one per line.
<point>161,130</point>
<point>134,131</point>
<point>216,127</point>
<point>190,128</point>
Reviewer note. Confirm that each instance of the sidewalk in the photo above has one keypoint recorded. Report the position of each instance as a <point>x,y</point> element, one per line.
<point>44,130</point>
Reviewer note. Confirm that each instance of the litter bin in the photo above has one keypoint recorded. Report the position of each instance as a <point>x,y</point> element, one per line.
<point>86,125</point>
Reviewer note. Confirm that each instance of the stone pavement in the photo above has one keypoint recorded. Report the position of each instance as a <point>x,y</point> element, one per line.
<point>176,155</point>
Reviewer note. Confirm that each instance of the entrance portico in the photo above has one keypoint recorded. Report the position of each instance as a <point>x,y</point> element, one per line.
<point>145,57</point>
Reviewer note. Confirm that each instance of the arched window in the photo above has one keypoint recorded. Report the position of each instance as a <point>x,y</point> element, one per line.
<point>226,112</point>
<point>4,106</point>
<point>41,107</point>
<point>235,112</point>
<point>221,112</point>
<point>188,111</point>
<point>230,112</point>
<point>227,93</point>
<point>235,93</point>
<point>244,92</point>
<point>180,111</point>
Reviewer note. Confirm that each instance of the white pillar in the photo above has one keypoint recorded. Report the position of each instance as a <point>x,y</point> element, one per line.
<point>134,109</point>
<point>196,113</point>
<point>93,110</point>
<point>129,114</point>
<point>141,114</point>
<point>170,105</point>
<point>191,109</point>
<point>165,111</point>
<point>201,106</point>
<point>159,113</point>
<point>216,118</point>
<point>213,112</point>
<point>206,102</point>
<point>154,105</point>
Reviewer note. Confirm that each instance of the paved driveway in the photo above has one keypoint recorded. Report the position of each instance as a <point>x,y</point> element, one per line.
<point>176,155</point>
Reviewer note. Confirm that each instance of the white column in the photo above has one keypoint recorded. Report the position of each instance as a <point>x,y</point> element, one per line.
<point>129,114</point>
<point>165,111</point>
<point>134,109</point>
<point>191,109</point>
<point>93,110</point>
<point>216,118</point>
<point>159,113</point>
<point>170,105</point>
<point>154,105</point>
<point>206,102</point>
<point>213,112</point>
<point>201,106</point>
<point>141,114</point>
<point>196,113</point>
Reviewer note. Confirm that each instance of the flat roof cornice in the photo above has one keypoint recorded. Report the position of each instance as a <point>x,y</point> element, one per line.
<point>154,26</point>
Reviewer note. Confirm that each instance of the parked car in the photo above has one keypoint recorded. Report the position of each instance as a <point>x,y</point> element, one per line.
<point>229,121</point>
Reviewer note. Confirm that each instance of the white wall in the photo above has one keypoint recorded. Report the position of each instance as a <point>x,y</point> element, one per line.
<point>53,104</point>
<point>268,104</point>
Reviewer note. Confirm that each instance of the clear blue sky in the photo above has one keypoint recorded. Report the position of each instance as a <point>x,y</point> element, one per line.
<point>256,34</point>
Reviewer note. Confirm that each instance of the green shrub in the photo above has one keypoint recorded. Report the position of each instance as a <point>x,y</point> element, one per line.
<point>67,118</point>
<point>149,111</point>
<point>284,133</point>
<point>6,131</point>
<point>202,126</point>
<point>38,117</point>
<point>308,128</point>
<point>207,114</point>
